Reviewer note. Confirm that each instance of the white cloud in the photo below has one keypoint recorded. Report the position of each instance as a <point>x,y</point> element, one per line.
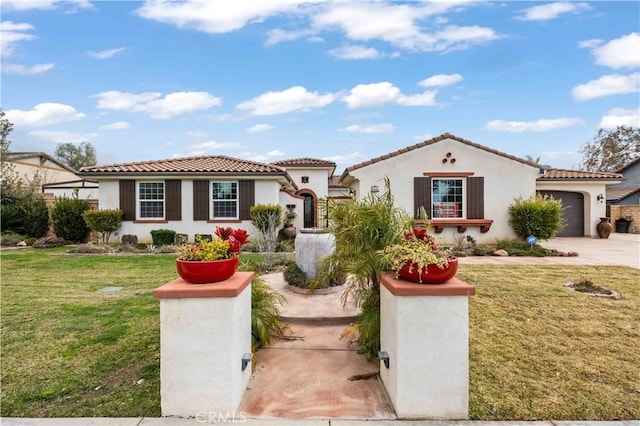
<point>607,85</point>
<point>619,53</point>
<point>118,125</point>
<point>43,114</point>
<point>23,5</point>
<point>25,70</point>
<point>369,128</point>
<point>296,98</point>
<point>156,106</point>
<point>277,35</point>
<point>439,80</point>
<point>353,157</point>
<point>542,125</point>
<point>213,146</point>
<point>275,153</point>
<point>545,12</point>
<point>105,54</point>
<point>214,16</point>
<point>259,128</point>
<point>355,52</point>
<point>621,117</point>
<point>397,24</point>
<point>589,44</point>
<point>196,134</point>
<point>424,137</point>
<point>63,137</point>
<point>383,93</point>
<point>12,33</point>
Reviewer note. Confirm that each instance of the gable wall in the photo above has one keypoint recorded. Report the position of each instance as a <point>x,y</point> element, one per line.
<point>504,179</point>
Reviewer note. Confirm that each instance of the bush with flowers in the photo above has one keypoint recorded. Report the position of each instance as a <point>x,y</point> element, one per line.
<point>417,250</point>
<point>227,245</point>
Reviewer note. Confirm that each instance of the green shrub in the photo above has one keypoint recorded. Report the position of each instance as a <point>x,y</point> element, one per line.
<point>203,237</point>
<point>295,276</point>
<point>163,237</point>
<point>265,313</point>
<point>35,214</point>
<point>10,238</point>
<point>539,215</point>
<point>142,247</point>
<point>129,240</point>
<point>103,221</point>
<point>66,216</point>
<point>11,219</point>
<point>267,218</point>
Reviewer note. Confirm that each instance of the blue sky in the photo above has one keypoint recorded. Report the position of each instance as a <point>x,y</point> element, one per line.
<point>345,81</point>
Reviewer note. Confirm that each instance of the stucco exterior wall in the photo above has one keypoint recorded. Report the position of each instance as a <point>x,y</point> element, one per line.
<point>266,192</point>
<point>504,179</point>
<point>318,180</point>
<point>48,172</point>
<point>593,209</point>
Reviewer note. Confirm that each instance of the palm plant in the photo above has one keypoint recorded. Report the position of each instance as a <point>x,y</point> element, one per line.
<point>362,229</point>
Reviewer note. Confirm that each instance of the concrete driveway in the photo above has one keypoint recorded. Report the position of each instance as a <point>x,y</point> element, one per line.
<point>618,249</point>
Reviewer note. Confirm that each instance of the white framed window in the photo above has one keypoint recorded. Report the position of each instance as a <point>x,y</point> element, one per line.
<point>447,198</point>
<point>151,200</point>
<point>224,200</point>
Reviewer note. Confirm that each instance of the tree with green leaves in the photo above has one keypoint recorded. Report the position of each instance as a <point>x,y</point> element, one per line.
<point>76,156</point>
<point>10,181</point>
<point>611,150</point>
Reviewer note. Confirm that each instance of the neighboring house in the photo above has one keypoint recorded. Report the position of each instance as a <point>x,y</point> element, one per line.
<point>464,186</point>
<point>55,178</point>
<point>623,199</point>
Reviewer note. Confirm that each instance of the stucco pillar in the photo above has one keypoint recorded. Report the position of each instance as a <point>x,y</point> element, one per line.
<point>205,329</point>
<point>425,331</point>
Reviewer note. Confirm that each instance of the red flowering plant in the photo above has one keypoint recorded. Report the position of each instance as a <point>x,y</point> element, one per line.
<point>227,245</point>
<point>417,249</point>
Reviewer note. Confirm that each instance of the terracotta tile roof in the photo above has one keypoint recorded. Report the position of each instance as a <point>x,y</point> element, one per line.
<point>564,174</point>
<point>305,162</point>
<point>431,142</point>
<point>218,164</point>
<point>620,192</point>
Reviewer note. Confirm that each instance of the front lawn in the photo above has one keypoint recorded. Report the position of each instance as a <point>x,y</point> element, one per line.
<point>536,350</point>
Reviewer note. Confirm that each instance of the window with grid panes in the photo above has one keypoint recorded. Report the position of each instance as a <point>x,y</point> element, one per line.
<point>224,200</point>
<point>446,198</point>
<point>151,200</point>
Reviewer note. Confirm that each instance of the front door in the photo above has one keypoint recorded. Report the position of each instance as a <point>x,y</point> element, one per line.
<point>309,211</point>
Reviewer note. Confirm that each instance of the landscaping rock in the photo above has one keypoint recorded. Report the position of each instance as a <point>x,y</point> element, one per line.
<point>573,254</point>
<point>22,244</point>
<point>502,253</point>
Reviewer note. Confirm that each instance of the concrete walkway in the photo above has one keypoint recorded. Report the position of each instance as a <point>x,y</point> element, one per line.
<point>618,249</point>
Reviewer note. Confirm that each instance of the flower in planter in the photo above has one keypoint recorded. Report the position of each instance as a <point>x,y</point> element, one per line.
<point>417,250</point>
<point>227,246</point>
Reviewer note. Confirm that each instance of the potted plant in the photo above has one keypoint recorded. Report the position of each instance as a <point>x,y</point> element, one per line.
<point>417,258</point>
<point>211,261</point>
<point>289,231</point>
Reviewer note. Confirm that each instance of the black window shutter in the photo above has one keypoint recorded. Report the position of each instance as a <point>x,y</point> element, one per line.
<point>201,200</point>
<point>128,199</point>
<point>247,195</point>
<point>421,195</point>
<point>475,197</point>
<point>173,199</point>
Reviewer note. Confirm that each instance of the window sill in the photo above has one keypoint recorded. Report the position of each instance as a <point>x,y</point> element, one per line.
<point>150,221</point>
<point>224,221</point>
<point>462,224</point>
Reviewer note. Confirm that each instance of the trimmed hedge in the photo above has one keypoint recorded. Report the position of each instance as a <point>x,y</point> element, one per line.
<point>163,237</point>
<point>538,215</point>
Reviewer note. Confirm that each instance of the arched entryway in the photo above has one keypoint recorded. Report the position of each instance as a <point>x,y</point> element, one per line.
<point>309,208</point>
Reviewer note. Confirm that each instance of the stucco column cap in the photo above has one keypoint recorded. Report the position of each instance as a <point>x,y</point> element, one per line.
<point>180,289</point>
<point>453,287</point>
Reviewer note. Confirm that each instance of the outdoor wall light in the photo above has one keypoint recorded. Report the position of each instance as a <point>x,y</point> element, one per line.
<point>246,359</point>
<point>600,198</point>
<point>384,357</point>
<point>375,188</point>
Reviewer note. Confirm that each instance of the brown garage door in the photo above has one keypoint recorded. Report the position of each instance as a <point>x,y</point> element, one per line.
<point>573,214</point>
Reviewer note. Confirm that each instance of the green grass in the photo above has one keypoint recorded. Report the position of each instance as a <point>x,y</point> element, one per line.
<point>537,350</point>
<point>540,351</point>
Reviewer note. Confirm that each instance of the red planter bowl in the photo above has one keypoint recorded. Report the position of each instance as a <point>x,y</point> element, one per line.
<point>433,275</point>
<point>208,271</point>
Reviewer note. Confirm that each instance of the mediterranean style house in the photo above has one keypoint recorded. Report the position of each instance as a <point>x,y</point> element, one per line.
<point>465,188</point>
